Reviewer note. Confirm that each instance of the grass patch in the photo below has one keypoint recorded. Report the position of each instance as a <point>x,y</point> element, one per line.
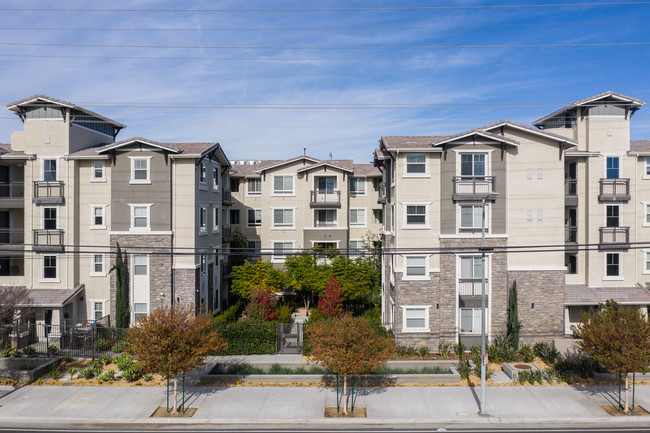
<point>246,369</point>
<point>424,370</point>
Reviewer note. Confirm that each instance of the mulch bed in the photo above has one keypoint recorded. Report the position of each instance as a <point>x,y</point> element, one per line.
<point>161,412</point>
<point>613,411</point>
<point>359,412</point>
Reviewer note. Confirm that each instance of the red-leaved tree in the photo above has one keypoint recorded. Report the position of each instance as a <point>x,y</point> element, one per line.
<point>261,307</point>
<point>331,303</point>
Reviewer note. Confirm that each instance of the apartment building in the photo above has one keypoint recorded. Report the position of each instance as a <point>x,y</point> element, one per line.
<point>565,202</point>
<point>283,206</point>
<point>71,193</point>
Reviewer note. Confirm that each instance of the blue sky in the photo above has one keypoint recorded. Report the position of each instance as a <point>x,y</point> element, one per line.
<point>270,103</point>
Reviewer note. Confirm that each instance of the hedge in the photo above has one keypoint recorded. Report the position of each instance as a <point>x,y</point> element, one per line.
<point>247,338</point>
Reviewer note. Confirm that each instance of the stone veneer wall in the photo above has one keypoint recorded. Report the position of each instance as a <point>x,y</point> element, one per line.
<point>186,283</point>
<point>547,290</point>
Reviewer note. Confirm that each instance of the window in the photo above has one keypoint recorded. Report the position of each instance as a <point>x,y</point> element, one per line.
<point>540,173</point>
<point>203,175</point>
<point>283,184</point>
<point>416,163</point>
<point>540,214</point>
<point>612,217</point>
<point>254,217</point>
<point>571,264</point>
<point>49,267</point>
<point>255,249</point>
<point>326,184</point>
<point>357,186</point>
<point>472,164</point>
<point>647,166</point>
<point>140,170</point>
<point>416,266</point>
<point>378,216</point>
<point>471,217</point>
<point>613,167</point>
<point>49,170</point>
<point>325,218</point>
<point>254,186</point>
<point>281,250</point>
<point>98,310</point>
<point>612,265</point>
<point>97,216</point>
<point>203,219</point>
<point>234,216</point>
<point>97,170</point>
<point>215,218</point>
<point>139,311</point>
<point>416,319</point>
<point>140,264</point>
<point>49,218</point>
<point>416,215</point>
<point>215,177</point>
<point>647,213</point>
<point>356,248</point>
<point>471,268</point>
<point>647,262</point>
<point>98,264</point>
<point>140,217</point>
<point>282,217</point>
<point>470,320</point>
<point>234,185</point>
<point>358,217</point>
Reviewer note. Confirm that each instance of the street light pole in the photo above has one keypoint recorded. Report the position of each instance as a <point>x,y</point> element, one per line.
<point>483,330</point>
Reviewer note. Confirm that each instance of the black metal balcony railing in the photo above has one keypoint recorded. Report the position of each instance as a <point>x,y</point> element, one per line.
<point>9,190</point>
<point>12,236</point>
<point>46,240</point>
<point>382,193</point>
<point>570,186</point>
<point>614,236</point>
<point>472,187</point>
<point>325,198</point>
<point>226,197</point>
<point>48,192</point>
<point>471,286</point>
<point>571,234</point>
<point>614,190</point>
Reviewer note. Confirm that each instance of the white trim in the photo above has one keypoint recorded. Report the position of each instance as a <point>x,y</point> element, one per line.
<point>646,259</point>
<point>217,166</point>
<point>473,235</point>
<point>56,208</point>
<point>536,268</point>
<point>282,258</point>
<point>254,225</point>
<point>646,168</point>
<point>141,233</point>
<point>646,212</point>
<point>426,328</point>
<point>365,186</point>
<point>620,157</point>
<point>406,225</point>
<point>92,303</point>
<point>488,219</point>
<point>254,194</point>
<point>426,173</point>
<point>73,123</point>
<point>49,158</point>
<point>406,277</point>
<point>56,279</point>
<point>315,219</point>
<point>92,225</point>
<point>146,181</point>
<point>203,170</point>
<point>620,276</point>
<point>283,227</point>
<point>286,194</point>
<point>486,152</point>
<point>365,218</point>
<point>186,266</point>
<point>203,229</point>
<point>94,179</point>
<point>146,229</point>
<point>620,219</point>
<point>216,211</point>
<point>92,265</point>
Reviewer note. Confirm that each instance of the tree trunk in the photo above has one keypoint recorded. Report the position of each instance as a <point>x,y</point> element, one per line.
<point>345,394</point>
<point>627,393</point>
<point>175,409</point>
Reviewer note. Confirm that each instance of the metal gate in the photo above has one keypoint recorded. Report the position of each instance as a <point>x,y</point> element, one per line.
<point>289,338</point>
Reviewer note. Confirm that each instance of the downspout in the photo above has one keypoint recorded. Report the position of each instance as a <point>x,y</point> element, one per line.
<point>171,230</point>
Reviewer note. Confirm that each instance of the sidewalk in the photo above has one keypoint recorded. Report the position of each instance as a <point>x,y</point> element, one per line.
<point>403,406</point>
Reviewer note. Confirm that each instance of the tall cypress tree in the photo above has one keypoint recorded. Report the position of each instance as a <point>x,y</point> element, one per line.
<point>121,299</point>
<point>514,325</point>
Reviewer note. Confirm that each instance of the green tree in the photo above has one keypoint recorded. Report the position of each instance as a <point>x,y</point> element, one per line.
<point>121,298</point>
<point>238,248</point>
<point>307,276</point>
<point>359,278</point>
<point>349,346</point>
<point>171,341</point>
<point>618,337</point>
<point>251,277</point>
<point>514,324</point>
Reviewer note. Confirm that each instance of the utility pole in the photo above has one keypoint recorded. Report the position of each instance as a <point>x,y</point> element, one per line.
<point>483,330</point>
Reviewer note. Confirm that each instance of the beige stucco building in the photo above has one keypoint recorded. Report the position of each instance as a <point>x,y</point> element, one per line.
<point>70,193</point>
<point>567,208</point>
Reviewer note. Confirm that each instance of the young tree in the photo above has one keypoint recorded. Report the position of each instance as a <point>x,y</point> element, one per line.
<point>359,278</point>
<point>250,277</point>
<point>618,337</point>
<point>261,307</point>
<point>331,303</point>
<point>121,298</point>
<point>514,324</point>
<point>307,276</point>
<point>15,302</point>
<point>349,346</point>
<point>171,341</point>
<point>238,248</point>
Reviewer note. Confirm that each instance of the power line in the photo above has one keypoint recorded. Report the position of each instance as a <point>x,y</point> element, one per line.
<point>404,8</point>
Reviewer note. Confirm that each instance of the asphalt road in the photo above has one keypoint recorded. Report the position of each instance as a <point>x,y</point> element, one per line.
<point>276,429</point>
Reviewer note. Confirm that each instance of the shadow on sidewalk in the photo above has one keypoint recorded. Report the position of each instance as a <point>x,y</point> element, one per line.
<point>607,393</point>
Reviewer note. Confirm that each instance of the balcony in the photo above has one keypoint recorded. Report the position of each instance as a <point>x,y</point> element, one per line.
<point>471,286</point>
<point>48,240</point>
<point>325,199</point>
<point>614,190</point>
<point>226,197</point>
<point>226,233</point>
<point>571,238</point>
<point>570,192</point>
<point>48,192</point>
<point>614,238</point>
<point>382,193</point>
<point>12,194</point>
<point>325,224</point>
<point>473,188</point>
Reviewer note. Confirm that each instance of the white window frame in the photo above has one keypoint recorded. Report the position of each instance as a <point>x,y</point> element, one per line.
<point>425,173</point>
<point>56,171</point>
<point>285,192</point>
<point>216,218</point>
<point>620,165</point>
<point>488,162</point>
<point>357,223</point>
<point>254,224</point>
<point>284,225</point>
<point>410,226</point>
<point>93,262</point>
<point>474,325</point>
<point>94,226</point>
<point>406,308</point>
<point>646,214</point>
<point>374,219</point>
<point>425,265</point>
<point>620,214</point>
<point>94,310</point>
<point>249,193</point>
<point>256,248</point>
<point>357,181</point>
<point>56,223</point>
<point>140,181</point>
<point>618,277</point>
<point>281,258</point>
<point>216,175</point>
<point>477,229</point>
<point>335,222</point>
<point>54,279</point>
<point>646,262</point>
<point>356,251</point>
<point>93,171</point>
<point>203,220</point>
<point>203,176</point>
<point>646,168</point>
<point>133,228</point>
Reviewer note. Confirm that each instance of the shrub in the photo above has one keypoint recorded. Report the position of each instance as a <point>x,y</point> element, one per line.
<point>261,307</point>
<point>147,377</point>
<point>401,351</point>
<point>102,345</point>
<point>119,347</point>
<point>527,352</point>
<point>95,364</point>
<point>546,352</point>
<point>331,301</point>
<point>29,351</point>
<point>230,314</point>
<point>108,375</point>
<point>284,313</point>
<point>124,362</point>
<point>464,369</point>
<point>131,374</point>
<point>65,358</point>
<point>72,371</point>
<point>105,360</point>
<point>444,349</point>
<point>245,338</point>
<point>501,349</point>
<point>411,350</point>
<point>423,351</point>
<point>15,353</point>
<point>87,373</point>
<point>4,353</point>
<point>52,349</point>
<point>55,369</point>
<point>459,350</point>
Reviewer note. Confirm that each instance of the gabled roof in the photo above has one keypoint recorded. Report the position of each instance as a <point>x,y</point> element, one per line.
<point>622,99</point>
<point>7,153</point>
<point>395,142</point>
<point>477,132</point>
<point>345,165</point>
<point>17,107</point>
<point>584,295</point>
<point>134,140</point>
<point>366,170</point>
<point>639,148</point>
<point>267,165</point>
<point>535,131</point>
